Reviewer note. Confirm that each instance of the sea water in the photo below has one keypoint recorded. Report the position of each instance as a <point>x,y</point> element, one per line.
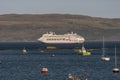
<point>17,66</point>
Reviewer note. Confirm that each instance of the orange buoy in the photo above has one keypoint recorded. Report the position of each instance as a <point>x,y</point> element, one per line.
<point>44,70</point>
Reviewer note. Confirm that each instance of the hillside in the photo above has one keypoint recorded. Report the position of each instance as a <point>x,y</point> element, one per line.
<point>29,27</point>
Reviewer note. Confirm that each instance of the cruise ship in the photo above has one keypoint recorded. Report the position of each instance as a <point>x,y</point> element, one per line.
<point>53,38</point>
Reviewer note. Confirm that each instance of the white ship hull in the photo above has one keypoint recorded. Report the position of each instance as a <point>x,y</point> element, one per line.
<point>52,38</point>
<point>61,42</point>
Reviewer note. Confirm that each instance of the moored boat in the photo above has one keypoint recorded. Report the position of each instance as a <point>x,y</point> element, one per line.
<point>24,51</point>
<point>115,69</point>
<point>83,51</point>
<point>104,57</point>
<point>70,77</point>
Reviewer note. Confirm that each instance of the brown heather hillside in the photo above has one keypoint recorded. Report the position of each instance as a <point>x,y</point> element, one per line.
<point>29,27</point>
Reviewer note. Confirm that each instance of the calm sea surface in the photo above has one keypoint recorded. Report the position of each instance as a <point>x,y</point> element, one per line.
<point>16,66</point>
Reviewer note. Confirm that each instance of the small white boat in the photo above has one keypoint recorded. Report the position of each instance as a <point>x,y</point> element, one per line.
<point>24,51</point>
<point>115,69</point>
<point>70,77</point>
<point>53,55</point>
<point>104,57</point>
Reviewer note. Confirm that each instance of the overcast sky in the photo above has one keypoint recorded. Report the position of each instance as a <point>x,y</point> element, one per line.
<point>95,8</point>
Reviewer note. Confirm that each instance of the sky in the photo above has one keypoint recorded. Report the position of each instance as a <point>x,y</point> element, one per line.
<point>94,8</point>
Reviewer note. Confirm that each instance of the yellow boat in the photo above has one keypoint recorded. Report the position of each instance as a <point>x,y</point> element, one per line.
<point>83,52</point>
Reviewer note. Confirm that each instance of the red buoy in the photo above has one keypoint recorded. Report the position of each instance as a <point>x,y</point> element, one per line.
<point>44,70</point>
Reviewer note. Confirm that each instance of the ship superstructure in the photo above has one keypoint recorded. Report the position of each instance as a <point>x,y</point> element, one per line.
<point>51,37</point>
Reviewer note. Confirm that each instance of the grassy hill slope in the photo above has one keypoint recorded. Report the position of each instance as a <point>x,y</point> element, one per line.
<point>29,27</point>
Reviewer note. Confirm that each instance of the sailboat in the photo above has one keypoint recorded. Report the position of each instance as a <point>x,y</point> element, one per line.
<point>115,69</point>
<point>104,57</point>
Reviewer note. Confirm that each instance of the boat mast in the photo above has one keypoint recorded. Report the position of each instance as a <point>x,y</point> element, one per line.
<point>103,47</point>
<point>115,58</point>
